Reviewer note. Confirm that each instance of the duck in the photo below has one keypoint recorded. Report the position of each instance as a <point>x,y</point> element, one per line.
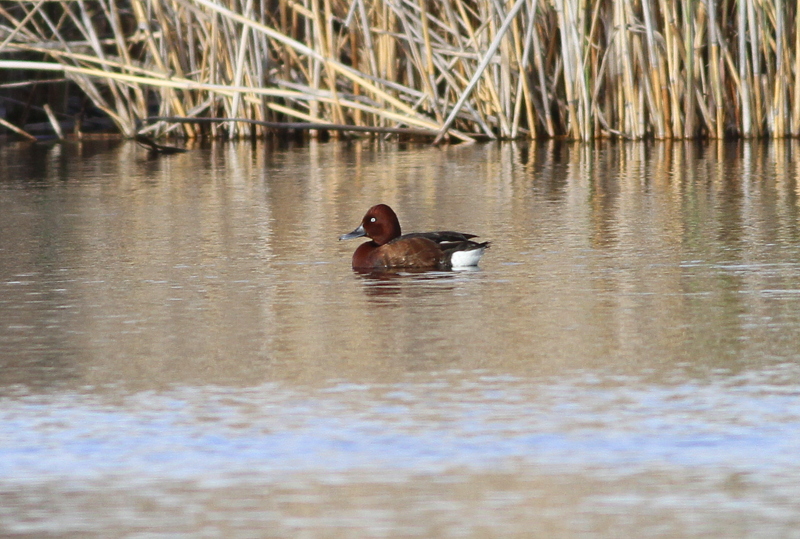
<point>388,249</point>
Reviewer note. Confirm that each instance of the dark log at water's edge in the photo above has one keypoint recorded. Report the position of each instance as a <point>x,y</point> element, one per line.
<point>458,70</point>
<point>302,126</point>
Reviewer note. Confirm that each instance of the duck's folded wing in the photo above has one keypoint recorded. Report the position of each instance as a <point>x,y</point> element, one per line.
<point>440,237</point>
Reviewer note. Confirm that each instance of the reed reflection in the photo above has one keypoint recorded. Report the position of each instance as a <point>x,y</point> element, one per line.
<point>222,263</point>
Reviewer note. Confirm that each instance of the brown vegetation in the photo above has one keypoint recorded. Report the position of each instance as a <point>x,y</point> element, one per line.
<point>493,68</point>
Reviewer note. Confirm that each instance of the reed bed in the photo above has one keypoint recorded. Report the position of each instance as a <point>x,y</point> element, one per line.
<point>448,68</point>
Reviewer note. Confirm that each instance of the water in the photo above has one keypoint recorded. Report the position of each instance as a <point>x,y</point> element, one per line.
<point>185,351</point>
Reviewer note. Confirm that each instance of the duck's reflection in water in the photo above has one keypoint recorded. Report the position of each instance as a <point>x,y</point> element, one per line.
<point>411,283</point>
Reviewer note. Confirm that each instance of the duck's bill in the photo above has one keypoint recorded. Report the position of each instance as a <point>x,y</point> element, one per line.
<point>357,233</point>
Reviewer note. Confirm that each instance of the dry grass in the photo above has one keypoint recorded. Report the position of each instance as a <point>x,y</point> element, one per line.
<point>490,68</point>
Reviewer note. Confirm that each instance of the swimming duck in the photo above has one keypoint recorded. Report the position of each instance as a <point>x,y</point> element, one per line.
<point>421,250</point>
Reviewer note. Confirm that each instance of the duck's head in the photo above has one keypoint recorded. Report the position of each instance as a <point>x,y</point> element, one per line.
<point>380,224</point>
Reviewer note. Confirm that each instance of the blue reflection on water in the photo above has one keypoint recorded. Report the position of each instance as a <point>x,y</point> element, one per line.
<point>213,433</point>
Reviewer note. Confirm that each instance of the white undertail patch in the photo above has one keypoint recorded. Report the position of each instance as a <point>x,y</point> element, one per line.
<point>466,259</point>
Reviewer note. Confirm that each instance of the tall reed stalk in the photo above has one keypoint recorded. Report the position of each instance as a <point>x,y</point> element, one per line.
<point>455,68</point>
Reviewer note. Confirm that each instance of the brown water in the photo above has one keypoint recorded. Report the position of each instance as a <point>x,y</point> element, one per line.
<point>185,351</point>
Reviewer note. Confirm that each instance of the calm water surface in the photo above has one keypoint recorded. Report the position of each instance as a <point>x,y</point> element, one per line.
<point>185,351</point>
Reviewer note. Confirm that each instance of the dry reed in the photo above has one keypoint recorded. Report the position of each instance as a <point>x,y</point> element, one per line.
<point>456,68</point>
